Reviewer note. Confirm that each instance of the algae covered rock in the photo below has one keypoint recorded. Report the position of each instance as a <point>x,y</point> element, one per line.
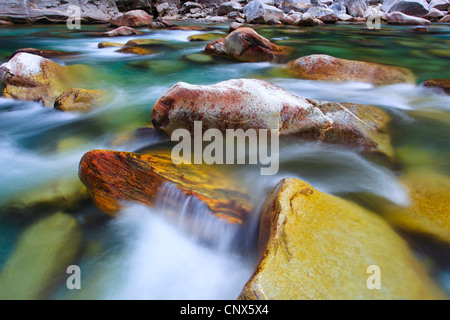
<point>429,211</point>
<point>78,100</point>
<point>41,256</point>
<point>318,246</point>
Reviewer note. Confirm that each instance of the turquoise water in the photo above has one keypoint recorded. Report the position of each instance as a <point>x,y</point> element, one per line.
<point>137,254</point>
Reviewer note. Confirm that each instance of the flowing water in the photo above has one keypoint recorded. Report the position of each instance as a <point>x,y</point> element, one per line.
<point>142,254</point>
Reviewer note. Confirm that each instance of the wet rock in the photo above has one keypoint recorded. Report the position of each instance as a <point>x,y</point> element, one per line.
<point>317,246</point>
<point>49,54</point>
<point>416,8</point>
<point>121,31</point>
<point>445,19</point>
<point>247,45</point>
<point>429,211</point>
<point>33,78</point>
<point>403,19</point>
<point>102,45</point>
<point>324,14</point>
<point>161,23</point>
<point>139,50</point>
<point>205,37</point>
<point>78,100</point>
<point>228,7</point>
<point>134,18</point>
<point>259,12</point>
<point>40,258</point>
<point>112,177</point>
<point>356,8</point>
<point>439,84</point>
<point>199,58</point>
<point>324,67</point>
<point>190,5</point>
<point>256,104</point>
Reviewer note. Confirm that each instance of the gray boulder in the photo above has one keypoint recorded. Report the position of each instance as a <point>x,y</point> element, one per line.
<point>228,7</point>
<point>325,14</point>
<point>356,8</point>
<point>441,5</point>
<point>41,11</point>
<point>417,8</point>
<point>259,12</point>
<point>404,19</point>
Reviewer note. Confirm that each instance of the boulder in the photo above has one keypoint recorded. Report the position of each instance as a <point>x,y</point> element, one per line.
<point>134,19</point>
<point>291,19</point>
<point>316,246</point>
<point>328,68</point>
<point>78,100</point>
<point>113,177</point>
<point>256,104</point>
<point>44,11</point>
<point>324,14</point>
<point>403,19</point>
<point>247,45</point>
<point>416,8</point>
<point>445,19</point>
<point>228,7</point>
<point>439,84</point>
<point>338,8</point>
<point>434,15</point>
<point>121,31</point>
<point>259,12</point>
<point>139,50</point>
<point>295,5</point>
<point>306,20</point>
<point>356,8</point>
<point>441,5</point>
<point>429,211</point>
<point>33,78</point>
<point>40,258</point>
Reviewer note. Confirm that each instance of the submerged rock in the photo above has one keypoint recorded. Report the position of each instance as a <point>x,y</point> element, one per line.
<point>78,100</point>
<point>41,256</point>
<point>256,104</point>
<point>247,45</point>
<point>102,45</point>
<point>133,18</point>
<point>324,67</point>
<point>404,19</point>
<point>112,177</point>
<point>139,50</point>
<point>205,37</point>
<point>121,31</point>
<point>443,84</point>
<point>318,246</point>
<point>429,211</point>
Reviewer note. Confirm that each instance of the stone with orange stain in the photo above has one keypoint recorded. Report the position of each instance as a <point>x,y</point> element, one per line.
<point>112,177</point>
<point>328,68</point>
<point>315,246</point>
<point>247,45</point>
<point>257,104</point>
